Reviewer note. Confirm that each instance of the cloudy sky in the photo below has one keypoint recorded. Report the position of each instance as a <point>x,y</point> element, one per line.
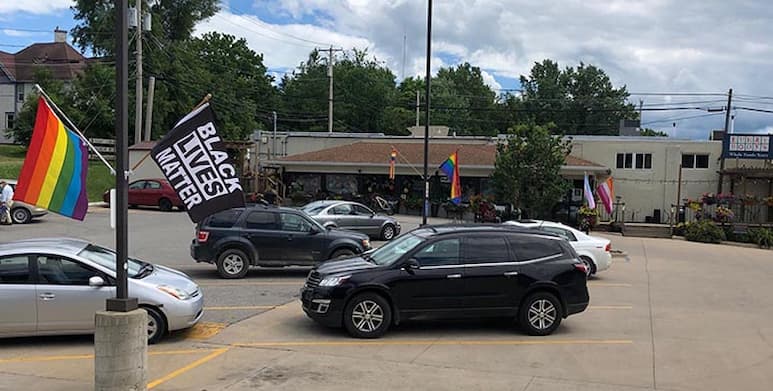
<point>666,52</point>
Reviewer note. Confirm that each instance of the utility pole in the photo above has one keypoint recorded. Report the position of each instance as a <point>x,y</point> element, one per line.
<point>727,126</point>
<point>641,111</point>
<point>425,207</point>
<point>330,87</point>
<point>149,108</point>
<point>273,138</point>
<point>417,108</point>
<point>138,84</point>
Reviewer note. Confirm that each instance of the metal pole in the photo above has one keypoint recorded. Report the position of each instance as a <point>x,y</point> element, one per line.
<point>426,115</point>
<point>273,138</point>
<point>149,109</point>
<point>138,83</point>
<point>121,303</point>
<point>417,108</point>
<point>330,91</point>
<point>727,125</point>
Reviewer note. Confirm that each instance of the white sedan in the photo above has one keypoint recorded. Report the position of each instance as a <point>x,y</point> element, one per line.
<point>595,252</point>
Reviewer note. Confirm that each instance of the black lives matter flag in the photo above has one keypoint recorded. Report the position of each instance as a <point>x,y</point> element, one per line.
<point>197,165</point>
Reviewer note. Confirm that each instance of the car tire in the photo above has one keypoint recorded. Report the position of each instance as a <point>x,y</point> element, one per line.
<point>540,314</point>
<point>164,204</point>
<point>132,206</point>
<point>341,253</point>
<point>156,325</point>
<point>388,232</point>
<point>21,216</point>
<point>367,315</point>
<point>589,265</point>
<point>233,263</point>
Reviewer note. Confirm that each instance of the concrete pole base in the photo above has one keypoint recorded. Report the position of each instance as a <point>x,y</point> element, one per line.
<point>121,351</point>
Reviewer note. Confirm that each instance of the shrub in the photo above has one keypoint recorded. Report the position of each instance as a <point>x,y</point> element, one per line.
<point>704,231</point>
<point>763,237</point>
<point>680,228</point>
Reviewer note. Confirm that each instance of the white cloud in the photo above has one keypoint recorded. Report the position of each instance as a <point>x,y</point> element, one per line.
<point>34,6</point>
<point>19,33</point>
<point>490,81</point>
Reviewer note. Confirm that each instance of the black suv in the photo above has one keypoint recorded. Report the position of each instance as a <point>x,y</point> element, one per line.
<point>261,235</point>
<point>451,272</point>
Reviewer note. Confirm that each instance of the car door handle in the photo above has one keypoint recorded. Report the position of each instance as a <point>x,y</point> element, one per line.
<point>47,296</point>
<point>510,274</point>
<point>454,276</point>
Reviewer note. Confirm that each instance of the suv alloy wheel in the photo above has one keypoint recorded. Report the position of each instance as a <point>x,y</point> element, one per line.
<point>540,314</point>
<point>233,263</point>
<point>367,315</point>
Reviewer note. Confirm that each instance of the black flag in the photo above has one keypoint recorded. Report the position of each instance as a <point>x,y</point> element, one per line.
<point>196,163</point>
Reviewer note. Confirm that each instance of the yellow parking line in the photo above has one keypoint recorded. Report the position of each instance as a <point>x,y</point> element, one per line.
<point>610,284</point>
<point>91,356</point>
<point>243,307</point>
<point>610,307</point>
<point>187,368</point>
<point>299,282</point>
<point>493,342</point>
<point>205,330</point>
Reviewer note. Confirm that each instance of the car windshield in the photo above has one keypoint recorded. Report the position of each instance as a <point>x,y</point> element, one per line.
<point>313,209</point>
<point>394,250</point>
<point>106,258</point>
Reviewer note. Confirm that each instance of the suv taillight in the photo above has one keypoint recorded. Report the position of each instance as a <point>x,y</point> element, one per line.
<point>608,248</point>
<point>202,236</point>
<point>581,267</point>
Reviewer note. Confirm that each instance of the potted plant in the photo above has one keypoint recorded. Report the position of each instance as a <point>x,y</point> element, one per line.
<point>726,199</point>
<point>708,199</point>
<point>723,215</point>
<point>588,218</point>
<point>413,204</point>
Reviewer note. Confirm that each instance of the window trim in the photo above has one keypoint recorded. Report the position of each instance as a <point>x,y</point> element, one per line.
<point>426,244</point>
<point>32,269</point>
<point>634,159</point>
<point>695,161</point>
<point>243,225</point>
<point>109,281</point>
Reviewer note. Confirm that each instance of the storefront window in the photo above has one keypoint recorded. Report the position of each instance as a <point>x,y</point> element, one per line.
<point>341,184</point>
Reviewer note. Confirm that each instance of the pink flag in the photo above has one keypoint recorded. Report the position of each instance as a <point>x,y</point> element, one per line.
<point>606,192</point>
<point>589,193</point>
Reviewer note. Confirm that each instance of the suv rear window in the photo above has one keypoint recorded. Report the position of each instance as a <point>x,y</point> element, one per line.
<point>224,219</point>
<point>528,247</point>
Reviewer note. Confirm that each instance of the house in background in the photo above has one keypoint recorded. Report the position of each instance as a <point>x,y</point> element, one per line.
<point>17,72</point>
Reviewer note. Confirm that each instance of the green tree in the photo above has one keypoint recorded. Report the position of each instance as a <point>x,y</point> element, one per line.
<point>527,169</point>
<point>364,95</point>
<point>21,133</point>
<point>653,133</point>
<point>579,100</point>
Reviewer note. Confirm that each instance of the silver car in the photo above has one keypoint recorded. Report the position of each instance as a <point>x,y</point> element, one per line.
<point>353,216</point>
<point>23,213</point>
<point>54,286</point>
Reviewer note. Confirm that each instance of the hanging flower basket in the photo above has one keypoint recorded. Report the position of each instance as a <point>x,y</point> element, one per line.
<point>709,199</point>
<point>750,200</point>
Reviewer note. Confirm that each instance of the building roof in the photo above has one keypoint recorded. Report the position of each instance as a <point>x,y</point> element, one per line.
<point>410,153</point>
<point>60,58</point>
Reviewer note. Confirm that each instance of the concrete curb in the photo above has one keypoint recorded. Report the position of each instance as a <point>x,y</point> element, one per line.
<point>726,243</point>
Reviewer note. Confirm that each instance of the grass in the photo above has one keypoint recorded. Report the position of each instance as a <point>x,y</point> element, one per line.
<point>98,178</point>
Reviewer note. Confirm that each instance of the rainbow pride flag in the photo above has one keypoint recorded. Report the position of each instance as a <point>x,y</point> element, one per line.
<point>53,175</point>
<point>451,168</point>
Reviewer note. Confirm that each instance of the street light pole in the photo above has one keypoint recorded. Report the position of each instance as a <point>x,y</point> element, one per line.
<point>122,302</point>
<point>425,207</point>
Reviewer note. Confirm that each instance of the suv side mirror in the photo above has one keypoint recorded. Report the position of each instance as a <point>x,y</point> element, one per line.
<point>313,230</point>
<point>96,281</point>
<point>411,265</point>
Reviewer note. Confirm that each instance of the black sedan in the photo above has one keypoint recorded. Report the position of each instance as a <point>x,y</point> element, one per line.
<point>353,216</point>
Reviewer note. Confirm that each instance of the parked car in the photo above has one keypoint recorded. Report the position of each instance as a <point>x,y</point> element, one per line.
<point>353,216</point>
<point>54,286</point>
<point>263,235</point>
<point>594,252</point>
<point>454,271</point>
<point>151,192</point>
<point>23,213</point>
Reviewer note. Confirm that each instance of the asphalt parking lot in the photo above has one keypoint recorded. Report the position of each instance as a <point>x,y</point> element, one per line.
<point>678,315</point>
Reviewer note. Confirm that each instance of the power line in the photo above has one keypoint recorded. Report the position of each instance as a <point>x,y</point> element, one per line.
<point>265,26</point>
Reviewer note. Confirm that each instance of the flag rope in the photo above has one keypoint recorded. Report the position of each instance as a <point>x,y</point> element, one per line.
<point>400,155</point>
<point>75,128</point>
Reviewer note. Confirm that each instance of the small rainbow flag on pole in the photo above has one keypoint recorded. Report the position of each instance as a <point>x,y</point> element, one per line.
<point>451,168</point>
<point>392,160</point>
<point>53,175</point>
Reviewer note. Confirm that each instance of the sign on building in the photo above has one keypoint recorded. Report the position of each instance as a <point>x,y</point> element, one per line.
<point>747,146</point>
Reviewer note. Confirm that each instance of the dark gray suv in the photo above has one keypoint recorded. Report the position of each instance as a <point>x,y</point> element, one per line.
<point>269,236</point>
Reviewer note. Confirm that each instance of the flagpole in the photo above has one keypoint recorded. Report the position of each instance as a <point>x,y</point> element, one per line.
<point>75,128</point>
